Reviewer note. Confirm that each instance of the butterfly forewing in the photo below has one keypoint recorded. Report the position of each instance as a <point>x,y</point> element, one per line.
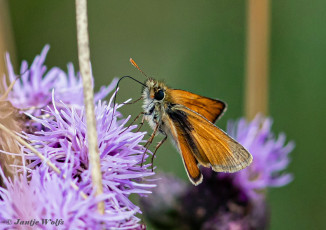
<point>209,144</point>
<point>211,109</point>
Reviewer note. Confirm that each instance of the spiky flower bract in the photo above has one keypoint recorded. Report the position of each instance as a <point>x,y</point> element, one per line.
<point>12,119</point>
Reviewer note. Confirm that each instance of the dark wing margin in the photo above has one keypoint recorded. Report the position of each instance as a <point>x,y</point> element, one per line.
<point>211,109</point>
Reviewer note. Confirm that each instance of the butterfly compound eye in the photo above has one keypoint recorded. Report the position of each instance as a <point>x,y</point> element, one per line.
<point>159,95</point>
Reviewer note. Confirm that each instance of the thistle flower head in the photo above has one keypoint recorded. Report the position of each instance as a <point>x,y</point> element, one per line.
<point>46,197</point>
<point>57,129</point>
<point>223,200</point>
<point>65,131</point>
<point>34,89</point>
<point>270,153</point>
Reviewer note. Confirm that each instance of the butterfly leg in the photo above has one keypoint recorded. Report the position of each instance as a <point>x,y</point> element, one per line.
<point>142,113</point>
<point>149,142</point>
<point>141,123</point>
<point>156,148</point>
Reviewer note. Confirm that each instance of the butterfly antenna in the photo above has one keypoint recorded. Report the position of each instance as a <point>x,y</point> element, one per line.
<point>135,64</point>
<point>115,95</point>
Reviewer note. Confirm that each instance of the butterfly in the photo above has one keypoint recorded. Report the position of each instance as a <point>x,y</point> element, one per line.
<point>188,119</point>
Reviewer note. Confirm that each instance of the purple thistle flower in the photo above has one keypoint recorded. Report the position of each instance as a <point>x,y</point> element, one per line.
<point>270,157</point>
<point>120,150</point>
<point>57,129</point>
<point>34,89</point>
<point>47,198</point>
<point>226,201</point>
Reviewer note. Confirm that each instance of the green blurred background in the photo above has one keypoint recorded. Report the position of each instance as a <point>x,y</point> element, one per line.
<point>200,46</point>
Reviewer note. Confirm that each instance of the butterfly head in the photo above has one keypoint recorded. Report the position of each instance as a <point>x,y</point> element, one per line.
<point>154,91</point>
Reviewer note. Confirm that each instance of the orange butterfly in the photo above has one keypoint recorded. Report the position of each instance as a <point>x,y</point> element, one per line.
<point>188,119</point>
